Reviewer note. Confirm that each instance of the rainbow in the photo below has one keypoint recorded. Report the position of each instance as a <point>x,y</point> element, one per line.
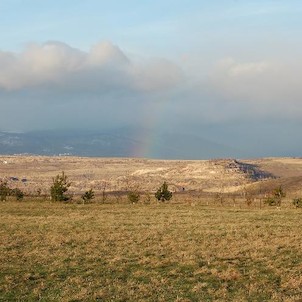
<point>152,115</point>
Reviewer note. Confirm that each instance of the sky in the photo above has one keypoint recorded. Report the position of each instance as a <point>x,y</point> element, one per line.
<point>229,71</point>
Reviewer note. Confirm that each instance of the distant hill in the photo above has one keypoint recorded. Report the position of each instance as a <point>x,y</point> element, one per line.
<point>119,174</point>
<point>114,143</point>
<point>260,176</point>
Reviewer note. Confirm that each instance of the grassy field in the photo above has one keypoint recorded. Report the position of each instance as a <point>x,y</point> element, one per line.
<point>157,252</point>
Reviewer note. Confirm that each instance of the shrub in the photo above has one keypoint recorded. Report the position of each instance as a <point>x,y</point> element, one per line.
<point>4,190</point>
<point>163,193</point>
<point>88,196</point>
<point>59,188</point>
<point>249,196</point>
<point>133,196</point>
<point>17,193</point>
<point>219,198</point>
<point>271,201</point>
<point>147,199</point>
<point>276,197</point>
<point>39,191</point>
<point>279,192</point>
<point>297,202</point>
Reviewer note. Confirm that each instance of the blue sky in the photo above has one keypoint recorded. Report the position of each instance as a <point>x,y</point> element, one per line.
<point>152,26</point>
<point>215,64</point>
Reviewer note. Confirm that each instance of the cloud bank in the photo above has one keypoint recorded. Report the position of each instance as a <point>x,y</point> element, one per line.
<point>263,81</point>
<point>57,64</point>
<point>54,85</point>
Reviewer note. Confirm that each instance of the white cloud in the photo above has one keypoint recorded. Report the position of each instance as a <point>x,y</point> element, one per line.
<point>262,82</point>
<point>38,64</point>
<point>105,53</point>
<point>105,65</point>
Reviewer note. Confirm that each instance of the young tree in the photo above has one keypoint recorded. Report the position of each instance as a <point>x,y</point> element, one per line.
<point>163,193</point>
<point>19,194</point>
<point>104,193</point>
<point>88,196</point>
<point>248,196</point>
<point>297,202</point>
<point>4,190</point>
<point>279,194</point>
<point>59,188</point>
<point>133,196</point>
<point>276,197</point>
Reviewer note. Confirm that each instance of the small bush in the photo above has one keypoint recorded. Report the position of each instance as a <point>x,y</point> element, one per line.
<point>147,199</point>
<point>88,196</point>
<point>279,192</point>
<point>271,201</point>
<point>17,193</point>
<point>276,197</point>
<point>219,198</point>
<point>39,191</point>
<point>163,194</point>
<point>59,188</point>
<point>133,196</point>
<point>297,202</point>
<point>4,190</point>
<point>248,196</point>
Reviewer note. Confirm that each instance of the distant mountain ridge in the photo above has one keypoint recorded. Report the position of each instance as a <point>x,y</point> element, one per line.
<point>112,143</point>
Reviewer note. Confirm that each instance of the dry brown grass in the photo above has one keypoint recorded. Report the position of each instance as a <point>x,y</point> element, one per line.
<point>157,252</point>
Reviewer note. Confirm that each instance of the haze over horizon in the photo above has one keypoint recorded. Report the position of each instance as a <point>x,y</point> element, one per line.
<point>225,71</point>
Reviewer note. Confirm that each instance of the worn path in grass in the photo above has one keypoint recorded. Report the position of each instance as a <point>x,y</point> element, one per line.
<point>164,252</point>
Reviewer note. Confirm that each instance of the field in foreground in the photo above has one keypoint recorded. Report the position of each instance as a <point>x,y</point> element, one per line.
<point>158,252</point>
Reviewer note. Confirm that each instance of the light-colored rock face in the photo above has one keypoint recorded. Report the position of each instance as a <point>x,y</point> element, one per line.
<point>114,174</point>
